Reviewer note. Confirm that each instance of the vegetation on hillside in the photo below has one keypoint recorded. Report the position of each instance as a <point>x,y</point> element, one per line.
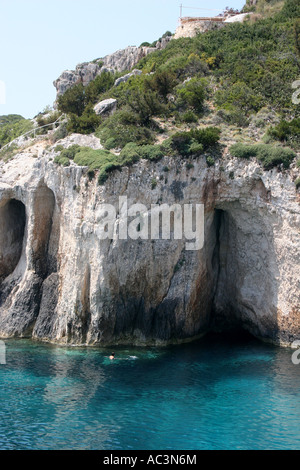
<point>238,75</point>
<point>12,126</point>
<point>190,143</point>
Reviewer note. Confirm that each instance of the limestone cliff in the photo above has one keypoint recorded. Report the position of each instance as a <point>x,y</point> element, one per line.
<point>60,283</point>
<point>119,61</point>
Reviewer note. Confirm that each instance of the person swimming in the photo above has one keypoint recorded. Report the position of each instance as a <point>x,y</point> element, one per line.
<point>112,356</point>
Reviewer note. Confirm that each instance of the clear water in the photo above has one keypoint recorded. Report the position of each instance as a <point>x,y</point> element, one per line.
<point>217,393</point>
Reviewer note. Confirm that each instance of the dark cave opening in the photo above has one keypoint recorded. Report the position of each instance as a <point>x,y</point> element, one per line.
<point>12,223</point>
<point>225,315</point>
<point>44,204</point>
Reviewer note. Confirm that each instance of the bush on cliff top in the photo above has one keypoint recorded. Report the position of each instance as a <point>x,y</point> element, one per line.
<point>194,141</point>
<point>268,155</point>
<point>287,132</point>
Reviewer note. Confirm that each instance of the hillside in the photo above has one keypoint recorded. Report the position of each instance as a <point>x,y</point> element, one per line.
<point>236,80</point>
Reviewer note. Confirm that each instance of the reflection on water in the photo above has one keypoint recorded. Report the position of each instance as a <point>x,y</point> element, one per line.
<point>215,393</point>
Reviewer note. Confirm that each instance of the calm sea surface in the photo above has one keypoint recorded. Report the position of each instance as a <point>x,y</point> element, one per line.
<point>217,393</point>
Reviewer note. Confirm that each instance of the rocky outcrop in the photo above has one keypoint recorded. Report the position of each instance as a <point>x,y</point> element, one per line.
<point>61,282</point>
<point>120,61</point>
<point>106,107</point>
<point>126,77</point>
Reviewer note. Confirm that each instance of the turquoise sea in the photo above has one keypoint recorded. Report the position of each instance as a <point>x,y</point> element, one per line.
<point>216,393</point>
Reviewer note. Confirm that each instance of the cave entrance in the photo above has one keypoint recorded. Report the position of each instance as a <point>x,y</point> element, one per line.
<point>245,294</point>
<point>44,204</point>
<point>12,223</point>
<point>228,272</point>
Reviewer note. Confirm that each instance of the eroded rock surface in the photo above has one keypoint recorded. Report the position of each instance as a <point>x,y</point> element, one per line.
<point>61,283</point>
<point>119,61</point>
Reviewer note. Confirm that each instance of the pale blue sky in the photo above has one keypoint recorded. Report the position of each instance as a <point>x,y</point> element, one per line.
<point>41,38</point>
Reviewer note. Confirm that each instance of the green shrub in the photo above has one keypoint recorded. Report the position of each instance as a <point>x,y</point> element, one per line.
<point>12,126</point>
<point>288,132</point>
<point>61,160</point>
<point>195,140</point>
<point>243,151</point>
<point>95,88</point>
<point>297,183</point>
<point>87,123</point>
<point>195,148</point>
<point>188,117</point>
<point>189,165</point>
<point>151,152</point>
<point>145,104</point>
<point>210,161</point>
<point>181,142</point>
<point>132,152</point>
<point>105,170</point>
<point>275,156</point>
<point>166,147</point>
<point>124,127</point>
<point>208,137</point>
<point>162,82</point>
<point>153,183</point>
<point>269,155</point>
<point>69,152</point>
<point>72,101</point>
<point>234,116</point>
<point>110,143</point>
<point>297,35</point>
<point>192,94</point>
<point>239,96</point>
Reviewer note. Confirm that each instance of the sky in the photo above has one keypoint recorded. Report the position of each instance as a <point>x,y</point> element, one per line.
<point>42,38</point>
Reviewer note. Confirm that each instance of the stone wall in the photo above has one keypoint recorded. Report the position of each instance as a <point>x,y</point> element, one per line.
<point>190,27</point>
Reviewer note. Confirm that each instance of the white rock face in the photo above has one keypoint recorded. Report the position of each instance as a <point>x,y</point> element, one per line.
<point>126,77</point>
<point>60,282</point>
<point>106,106</point>
<point>119,61</point>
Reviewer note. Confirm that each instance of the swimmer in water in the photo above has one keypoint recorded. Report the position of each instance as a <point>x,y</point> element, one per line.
<point>112,356</point>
